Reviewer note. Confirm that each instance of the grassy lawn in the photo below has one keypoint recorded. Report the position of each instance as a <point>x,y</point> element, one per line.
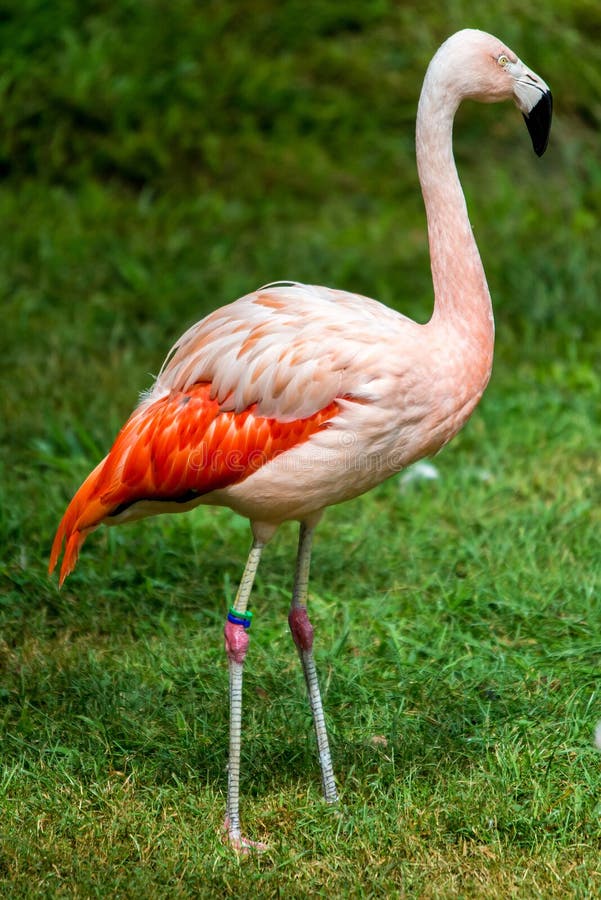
<point>158,160</point>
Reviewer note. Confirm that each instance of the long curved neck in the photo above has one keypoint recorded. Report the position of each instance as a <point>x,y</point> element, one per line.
<point>461,297</point>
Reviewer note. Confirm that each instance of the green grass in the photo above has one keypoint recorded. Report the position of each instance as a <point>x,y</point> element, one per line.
<point>158,161</point>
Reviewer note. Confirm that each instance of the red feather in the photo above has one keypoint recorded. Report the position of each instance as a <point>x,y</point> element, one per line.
<point>176,448</point>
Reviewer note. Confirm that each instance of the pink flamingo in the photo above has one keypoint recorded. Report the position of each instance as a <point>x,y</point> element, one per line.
<point>297,397</point>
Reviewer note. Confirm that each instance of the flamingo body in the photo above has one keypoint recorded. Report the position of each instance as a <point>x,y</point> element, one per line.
<point>245,413</point>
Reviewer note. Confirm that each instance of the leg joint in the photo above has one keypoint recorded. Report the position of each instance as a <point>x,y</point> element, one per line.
<point>301,628</point>
<point>236,641</point>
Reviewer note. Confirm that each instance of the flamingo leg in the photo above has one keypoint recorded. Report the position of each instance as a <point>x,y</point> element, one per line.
<point>302,632</point>
<point>236,645</point>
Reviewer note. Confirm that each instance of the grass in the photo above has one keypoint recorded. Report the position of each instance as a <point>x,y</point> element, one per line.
<point>158,161</point>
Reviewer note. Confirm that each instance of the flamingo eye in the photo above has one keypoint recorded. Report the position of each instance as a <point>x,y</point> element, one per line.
<point>503,60</point>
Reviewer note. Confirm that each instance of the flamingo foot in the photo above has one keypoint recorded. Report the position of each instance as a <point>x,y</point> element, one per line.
<point>240,844</point>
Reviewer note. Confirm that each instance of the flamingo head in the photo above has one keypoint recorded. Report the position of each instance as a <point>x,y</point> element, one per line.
<point>480,66</point>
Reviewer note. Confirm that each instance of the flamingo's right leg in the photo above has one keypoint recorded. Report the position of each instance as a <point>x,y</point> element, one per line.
<point>236,645</point>
<point>302,632</point>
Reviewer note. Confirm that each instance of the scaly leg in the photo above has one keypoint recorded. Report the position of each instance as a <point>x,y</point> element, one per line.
<point>302,632</point>
<point>236,645</point>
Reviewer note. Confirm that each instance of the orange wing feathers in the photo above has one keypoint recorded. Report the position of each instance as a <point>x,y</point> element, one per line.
<point>175,449</point>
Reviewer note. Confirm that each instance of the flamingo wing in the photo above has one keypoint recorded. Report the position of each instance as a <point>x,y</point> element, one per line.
<point>170,452</point>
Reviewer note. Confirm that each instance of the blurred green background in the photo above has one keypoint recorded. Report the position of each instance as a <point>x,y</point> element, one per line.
<point>158,159</point>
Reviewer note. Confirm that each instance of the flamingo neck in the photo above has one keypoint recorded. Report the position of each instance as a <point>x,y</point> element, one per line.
<point>461,297</point>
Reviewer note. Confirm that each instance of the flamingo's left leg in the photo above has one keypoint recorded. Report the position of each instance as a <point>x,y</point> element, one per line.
<point>302,632</point>
<point>236,645</point>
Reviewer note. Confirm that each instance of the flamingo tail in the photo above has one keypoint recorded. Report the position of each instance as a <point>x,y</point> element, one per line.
<point>83,514</point>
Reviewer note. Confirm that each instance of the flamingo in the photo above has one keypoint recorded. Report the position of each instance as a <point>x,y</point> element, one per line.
<point>296,397</point>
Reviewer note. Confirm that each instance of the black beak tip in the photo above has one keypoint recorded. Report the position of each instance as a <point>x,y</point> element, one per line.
<point>538,122</point>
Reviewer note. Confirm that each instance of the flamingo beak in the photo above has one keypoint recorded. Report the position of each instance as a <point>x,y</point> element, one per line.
<point>538,122</point>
